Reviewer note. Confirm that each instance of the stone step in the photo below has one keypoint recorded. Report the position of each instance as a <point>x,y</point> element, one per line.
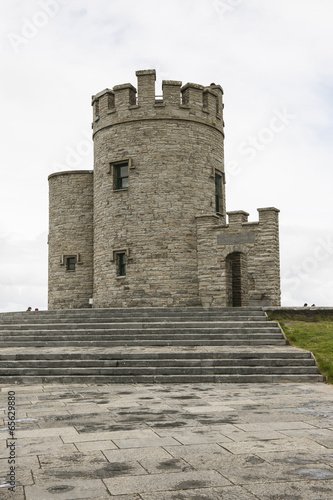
<point>117,339</point>
<point>118,371</point>
<point>172,363</point>
<point>143,334</point>
<point>156,334</point>
<point>149,345</point>
<point>142,326</point>
<point>58,341</point>
<point>120,319</point>
<point>142,310</point>
<point>156,342</point>
<point>163,379</point>
<point>162,355</point>
<point>148,314</point>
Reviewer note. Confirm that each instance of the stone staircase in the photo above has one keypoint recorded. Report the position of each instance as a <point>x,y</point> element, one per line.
<point>149,345</point>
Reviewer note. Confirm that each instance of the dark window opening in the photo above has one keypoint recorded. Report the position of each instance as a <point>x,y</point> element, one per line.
<point>218,193</point>
<point>70,263</point>
<point>121,175</point>
<point>121,264</point>
<point>236,279</point>
<point>111,101</point>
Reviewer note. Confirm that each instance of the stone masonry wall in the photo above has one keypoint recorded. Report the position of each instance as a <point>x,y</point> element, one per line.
<point>258,244</point>
<point>174,150</point>
<point>178,250</point>
<point>70,234</point>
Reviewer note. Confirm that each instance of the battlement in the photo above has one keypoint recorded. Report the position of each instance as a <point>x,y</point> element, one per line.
<point>267,216</point>
<point>189,102</point>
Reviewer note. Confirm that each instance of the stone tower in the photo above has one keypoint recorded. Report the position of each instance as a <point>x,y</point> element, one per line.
<point>148,227</point>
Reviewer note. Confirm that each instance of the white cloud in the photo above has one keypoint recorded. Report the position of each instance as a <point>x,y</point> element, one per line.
<point>23,267</point>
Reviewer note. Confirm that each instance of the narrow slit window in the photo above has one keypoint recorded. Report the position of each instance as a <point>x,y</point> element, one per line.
<point>121,264</point>
<point>218,193</point>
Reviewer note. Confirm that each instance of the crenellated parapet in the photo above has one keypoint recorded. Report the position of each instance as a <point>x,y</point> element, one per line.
<point>243,249</point>
<point>190,102</point>
<point>150,228</point>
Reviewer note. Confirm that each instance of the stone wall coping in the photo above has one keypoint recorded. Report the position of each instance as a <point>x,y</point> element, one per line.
<point>238,212</point>
<point>216,87</point>
<point>68,172</point>
<point>307,313</point>
<point>268,209</point>
<point>192,86</point>
<point>100,94</point>
<point>142,72</point>
<point>226,226</point>
<point>171,82</point>
<point>124,86</point>
<point>297,309</point>
<point>209,90</point>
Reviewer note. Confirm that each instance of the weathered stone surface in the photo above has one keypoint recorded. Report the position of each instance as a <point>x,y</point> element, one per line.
<point>239,458</point>
<point>227,493</point>
<point>70,234</point>
<point>68,490</point>
<point>233,239</point>
<point>170,481</point>
<point>166,221</point>
<point>301,490</point>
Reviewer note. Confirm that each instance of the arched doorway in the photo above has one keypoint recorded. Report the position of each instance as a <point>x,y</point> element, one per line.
<point>236,279</point>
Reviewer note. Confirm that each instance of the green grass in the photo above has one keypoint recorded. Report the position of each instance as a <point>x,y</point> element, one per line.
<point>315,335</point>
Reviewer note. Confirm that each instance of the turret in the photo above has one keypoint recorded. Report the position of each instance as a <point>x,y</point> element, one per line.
<point>191,101</point>
<point>158,164</point>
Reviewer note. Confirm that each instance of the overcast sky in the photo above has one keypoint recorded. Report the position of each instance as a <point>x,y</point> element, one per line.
<point>274,62</point>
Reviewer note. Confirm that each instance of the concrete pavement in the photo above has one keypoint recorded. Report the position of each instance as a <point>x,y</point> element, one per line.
<point>167,442</point>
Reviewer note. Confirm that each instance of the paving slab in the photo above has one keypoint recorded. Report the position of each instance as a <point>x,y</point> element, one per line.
<point>169,481</point>
<point>146,442</point>
<point>195,437</point>
<point>170,442</point>
<point>18,494</point>
<point>69,433</point>
<point>305,490</point>
<point>24,477</point>
<point>27,462</point>
<point>112,435</point>
<point>87,470</point>
<point>72,460</point>
<point>273,426</point>
<point>223,462</point>
<point>139,454</point>
<point>273,445</point>
<point>227,493</point>
<point>95,445</point>
<point>295,457</point>
<point>198,450</point>
<point>71,490</point>
<point>268,473</point>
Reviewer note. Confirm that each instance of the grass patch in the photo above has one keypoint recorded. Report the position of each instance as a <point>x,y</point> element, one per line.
<point>313,335</point>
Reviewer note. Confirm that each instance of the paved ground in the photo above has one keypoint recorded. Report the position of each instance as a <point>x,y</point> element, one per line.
<point>169,442</point>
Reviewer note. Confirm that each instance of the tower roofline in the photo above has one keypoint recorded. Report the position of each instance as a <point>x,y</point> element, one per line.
<point>70,172</point>
<point>125,102</point>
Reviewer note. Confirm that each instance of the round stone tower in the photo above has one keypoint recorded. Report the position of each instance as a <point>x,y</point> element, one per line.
<point>70,239</point>
<point>158,163</point>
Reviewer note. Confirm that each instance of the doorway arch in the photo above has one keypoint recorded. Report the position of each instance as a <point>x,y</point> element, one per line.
<point>236,281</point>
